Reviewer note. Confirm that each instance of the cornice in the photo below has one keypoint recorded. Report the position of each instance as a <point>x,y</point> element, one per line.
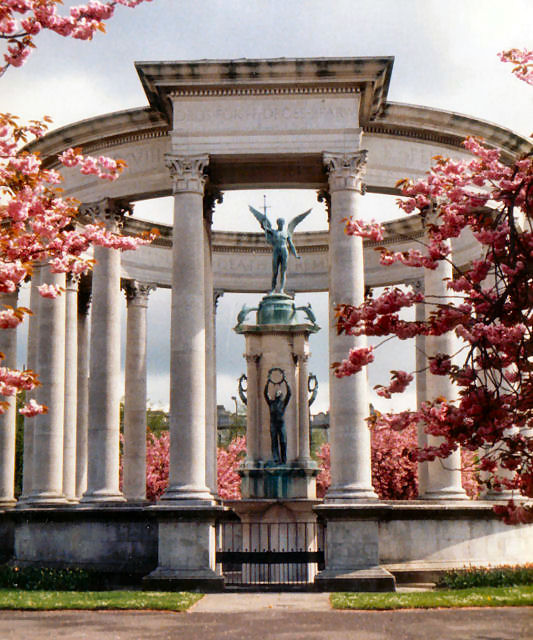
<point>263,91</point>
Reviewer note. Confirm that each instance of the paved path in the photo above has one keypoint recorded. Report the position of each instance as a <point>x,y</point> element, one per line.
<point>270,617</point>
<point>253,602</point>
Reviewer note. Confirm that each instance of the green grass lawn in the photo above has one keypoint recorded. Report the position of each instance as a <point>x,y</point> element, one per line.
<point>50,600</point>
<point>475,597</point>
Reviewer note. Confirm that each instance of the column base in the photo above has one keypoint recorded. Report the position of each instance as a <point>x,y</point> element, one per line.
<point>372,579</point>
<point>187,495</point>
<point>447,493</point>
<point>45,499</point>
<point>102,496</point>
<point>508,494</point>
<point>7,503</point>
<point>205,581</point>
<point>350,493</point>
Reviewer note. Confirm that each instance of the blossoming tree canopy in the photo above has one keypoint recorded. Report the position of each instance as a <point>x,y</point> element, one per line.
<point>22,20</point>
<point>488,306</point>
<point>38,225</point>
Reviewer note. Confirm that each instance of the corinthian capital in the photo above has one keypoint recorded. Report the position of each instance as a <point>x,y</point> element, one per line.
<point>109,211</point>
<point>345,170</point>
<point>187,172</point>
<point>137,292</point>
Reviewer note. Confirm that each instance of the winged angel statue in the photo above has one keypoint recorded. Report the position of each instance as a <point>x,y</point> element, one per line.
<point>281,241</point>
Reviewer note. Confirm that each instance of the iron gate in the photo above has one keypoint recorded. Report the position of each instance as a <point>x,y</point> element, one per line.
<point>264,555</point>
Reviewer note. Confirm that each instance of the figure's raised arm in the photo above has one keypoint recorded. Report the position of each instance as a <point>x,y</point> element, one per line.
<point>265,392</point>
<point>287,394</point>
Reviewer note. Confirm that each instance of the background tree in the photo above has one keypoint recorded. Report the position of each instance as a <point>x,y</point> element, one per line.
<point>488,307</point>
<point>37,224</point>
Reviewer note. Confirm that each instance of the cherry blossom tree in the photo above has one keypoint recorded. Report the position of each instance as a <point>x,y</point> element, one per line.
<point>488,307</point>
<point>22,20</point>
<point>394,472</point>
<point>37,224</point>
<point>228,461</point>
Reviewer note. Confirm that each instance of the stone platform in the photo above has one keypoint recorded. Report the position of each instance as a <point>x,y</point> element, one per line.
<point>412,540</point>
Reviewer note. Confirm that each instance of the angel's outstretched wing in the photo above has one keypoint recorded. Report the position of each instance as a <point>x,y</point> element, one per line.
<point>261,218</point>
<point>296,221</point>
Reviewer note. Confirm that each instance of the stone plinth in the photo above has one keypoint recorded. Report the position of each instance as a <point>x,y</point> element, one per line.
<point>187,550</point>
<point>285,482</point>
<point>352,550</point>
<point>279,339</point>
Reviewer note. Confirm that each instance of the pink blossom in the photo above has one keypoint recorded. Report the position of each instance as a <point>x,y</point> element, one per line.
<point>400,381</point>
<point>32,408</point>
<point>357,359</point>
<point>372,230</point>
<point>50,290</point>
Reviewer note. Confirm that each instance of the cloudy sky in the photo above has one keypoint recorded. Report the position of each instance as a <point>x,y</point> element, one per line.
<point>445,57</point>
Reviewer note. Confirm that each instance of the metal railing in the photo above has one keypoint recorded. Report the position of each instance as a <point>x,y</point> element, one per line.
<point>260,554</point>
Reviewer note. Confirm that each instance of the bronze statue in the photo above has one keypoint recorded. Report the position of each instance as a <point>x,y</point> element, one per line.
<point>277,406</point>
<point>281,241</point>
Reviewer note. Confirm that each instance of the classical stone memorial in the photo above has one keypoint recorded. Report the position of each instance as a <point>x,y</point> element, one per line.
<point>213,126</point>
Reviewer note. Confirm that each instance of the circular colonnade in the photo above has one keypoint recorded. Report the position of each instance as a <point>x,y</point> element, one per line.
<point>216,126</point>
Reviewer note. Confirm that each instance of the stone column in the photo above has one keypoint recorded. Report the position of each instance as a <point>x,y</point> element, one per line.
<point>304,454</point>
<point>31,363</point>
<point>47,482</point>
<point>443,476</point>
<point>82,413</point>
<point>252,410</point>
<point>71,387</point>
<point>8,427</point>
<point>104,381</point>
<point>134,485</point>
<point>187,478</point>
<point>421,390</point>
<point>210,199</point>
<point>350,436</point>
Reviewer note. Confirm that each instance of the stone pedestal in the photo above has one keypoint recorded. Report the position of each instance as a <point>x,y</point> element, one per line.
<point>274,526</point>
<point>187,550</point>
<point>278,339</point>
<point>352,550</point>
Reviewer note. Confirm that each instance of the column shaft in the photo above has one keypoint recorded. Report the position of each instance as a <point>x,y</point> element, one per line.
<point>350,436</point>
<point>104,381</point>
<point>304,454</point>
<point>47,482</point>
<point>421,390</point>
<point>210,368</point>
<point>188,336</point>
<point>82,414</point>
<point>71,388</point>
<point>31,363</point>
<point>8,427</point>
<point>443,476</point>
<point>252,410</point>
<point>134,485</point>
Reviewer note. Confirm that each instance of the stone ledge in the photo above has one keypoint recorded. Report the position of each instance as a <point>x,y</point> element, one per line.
<point>373,579</point>
<point>172,580</point>
<point>410,510</point>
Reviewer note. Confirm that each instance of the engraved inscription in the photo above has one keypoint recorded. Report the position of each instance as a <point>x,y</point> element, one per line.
<point>268,114</point>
